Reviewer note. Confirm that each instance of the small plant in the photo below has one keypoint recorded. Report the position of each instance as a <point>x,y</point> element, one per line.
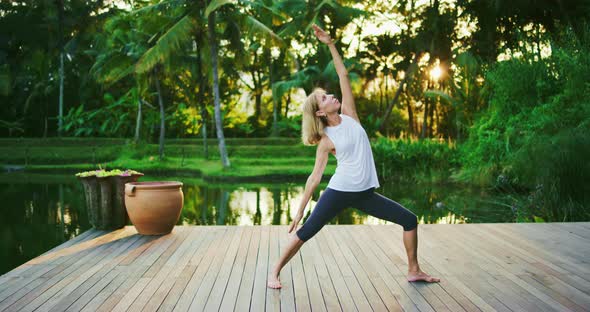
<point>101,173</point>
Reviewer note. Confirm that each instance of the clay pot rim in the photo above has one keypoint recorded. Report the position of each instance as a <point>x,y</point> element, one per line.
<point>155,185</point>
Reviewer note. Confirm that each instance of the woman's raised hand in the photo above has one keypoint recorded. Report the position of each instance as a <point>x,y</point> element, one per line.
<point>321,34</point>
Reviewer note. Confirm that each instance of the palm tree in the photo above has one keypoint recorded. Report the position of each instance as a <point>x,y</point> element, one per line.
<point>191,15</point>
<point>60,10</point>
<point>218,123</point>
<point>318,69</point>
<point>117,53</point>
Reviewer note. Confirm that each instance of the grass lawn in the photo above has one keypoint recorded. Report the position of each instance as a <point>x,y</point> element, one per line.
<point>251,159</point>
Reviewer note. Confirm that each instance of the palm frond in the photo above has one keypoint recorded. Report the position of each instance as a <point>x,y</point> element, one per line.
<point>158,6</point>
<point>443,96</point>
<point>166,44</point>
<point>216,4</point>
<point>112,68</point>
<point>258,26</point>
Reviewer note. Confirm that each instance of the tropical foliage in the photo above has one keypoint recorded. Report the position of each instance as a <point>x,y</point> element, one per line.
<point>498,90</point>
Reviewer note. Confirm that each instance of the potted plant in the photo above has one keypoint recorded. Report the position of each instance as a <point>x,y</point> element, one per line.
<point>104,192</point>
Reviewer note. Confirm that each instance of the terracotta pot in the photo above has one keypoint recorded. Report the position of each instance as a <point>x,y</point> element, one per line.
<point>121,218</point>
<point>154,207</point>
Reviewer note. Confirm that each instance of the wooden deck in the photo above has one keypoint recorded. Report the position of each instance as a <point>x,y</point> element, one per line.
<point>483,267</point>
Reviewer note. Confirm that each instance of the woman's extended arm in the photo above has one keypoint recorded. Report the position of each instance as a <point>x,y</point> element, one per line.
<point>313,181</point>
<point>348,106</point>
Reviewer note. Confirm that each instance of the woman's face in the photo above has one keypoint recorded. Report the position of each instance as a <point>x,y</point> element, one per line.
<point>327,103</point>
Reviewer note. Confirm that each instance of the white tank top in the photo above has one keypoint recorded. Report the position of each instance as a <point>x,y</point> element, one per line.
<point>355,169</point>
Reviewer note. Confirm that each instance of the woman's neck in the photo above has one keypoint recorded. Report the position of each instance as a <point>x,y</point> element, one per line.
<point>333,119</point>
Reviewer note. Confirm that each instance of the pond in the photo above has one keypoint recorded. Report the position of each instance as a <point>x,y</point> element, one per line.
<point>40,212</point>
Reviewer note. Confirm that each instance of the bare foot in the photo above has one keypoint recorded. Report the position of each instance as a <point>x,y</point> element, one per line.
<point>273,282</point>
<point>414,276</point>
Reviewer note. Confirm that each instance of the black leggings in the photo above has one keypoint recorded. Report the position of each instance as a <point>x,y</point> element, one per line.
<point>332,202</point>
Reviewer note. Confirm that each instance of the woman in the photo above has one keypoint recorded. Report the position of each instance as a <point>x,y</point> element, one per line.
<point>355,179</point>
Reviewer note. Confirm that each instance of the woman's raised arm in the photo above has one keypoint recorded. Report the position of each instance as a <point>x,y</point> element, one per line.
<point>348,106</point>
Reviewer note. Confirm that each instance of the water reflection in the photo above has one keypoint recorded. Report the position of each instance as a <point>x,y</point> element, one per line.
<point>277,205</point>
<point>41,212</point>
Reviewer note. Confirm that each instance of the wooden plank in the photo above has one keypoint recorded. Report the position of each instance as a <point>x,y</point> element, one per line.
<point>177,263</point>
<point>532,246</point>
<point>212,235</point>
<point>440,261</point>
<point>330,284</point>
<point>125,277</point>
<point>28,272</point>
<point>544,298</point>
<point>488,253</point>
<point>137,263</point>
<point>564,300</point>
<point>389,268</point>
<point>541,261</point>
<point>287,292</point>
<point>495,271</point>
<point>436,261</point>
<point>475,268</point>
<point>567,290</point>
<point>85,236</point>
<point>368,290</point>
<point>154,258</point>
<point>161,270</point>
<point>259,292</point>
<point>89,255</point>
<point>383,250</point>
<point>247,282</point>
<point>356,293</point>
<point>28,268</point>
<point>233,285</point>
<point>570,245</point>
<point>463,270</point>
<point>469,279</point>
<point>273,297</point>
<point>84,285</point>
<point>574,229</point>
<point>302,302</point>
<point>382,278</point>
<point>342,292</point>
<point>503,267</point>
<point>79,303</point>
<point>208,268</point>
<point>314,290</point>
<point>221,281</point>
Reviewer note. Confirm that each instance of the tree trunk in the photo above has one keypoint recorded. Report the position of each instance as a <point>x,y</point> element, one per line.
<point>407,75</point>
<point>410,116</point>
<point>138,122</point>
<point>431,113</point>
<point>218,122</point>
<point>423,133</point>
<point>275,105</point>
<point>257,91</point>
<point>162,115</point>
<point>201,97</point>
<point>60,8</point>
<point>287,104</point>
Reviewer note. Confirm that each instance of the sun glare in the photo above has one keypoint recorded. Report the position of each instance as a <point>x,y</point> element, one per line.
<point>435,73</point>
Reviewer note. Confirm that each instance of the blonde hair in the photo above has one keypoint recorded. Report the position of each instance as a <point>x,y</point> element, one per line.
<point>312,126</point>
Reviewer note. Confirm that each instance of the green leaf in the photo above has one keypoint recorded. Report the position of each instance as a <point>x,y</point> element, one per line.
<point>166,44</point>
<point>216,4</point>
<point>258,26</point>
<point>443,96</point>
